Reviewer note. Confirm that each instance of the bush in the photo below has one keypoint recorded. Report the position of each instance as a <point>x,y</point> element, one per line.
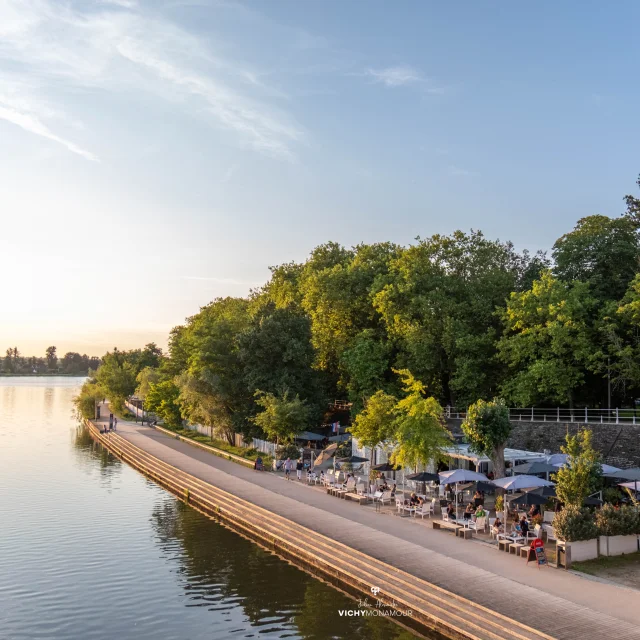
<point>573,524</point>
<point>617,522</point>
<point>500,503</point>
<point>536,520</point>
<point>612,495</point>
<point>288,451</point>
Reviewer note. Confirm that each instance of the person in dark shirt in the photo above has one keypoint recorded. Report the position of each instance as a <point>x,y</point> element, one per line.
<point>534,511</point>
<point>451,512</point>
<point>524,526</point>
<point>299,467</point>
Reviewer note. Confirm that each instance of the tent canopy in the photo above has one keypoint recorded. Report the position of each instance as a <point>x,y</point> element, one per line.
<point>309,435</point>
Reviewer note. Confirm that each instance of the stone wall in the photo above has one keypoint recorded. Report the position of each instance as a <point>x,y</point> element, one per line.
<point>619,444</point>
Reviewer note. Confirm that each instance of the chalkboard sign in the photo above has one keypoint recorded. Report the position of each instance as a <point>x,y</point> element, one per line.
<point>536,553</point>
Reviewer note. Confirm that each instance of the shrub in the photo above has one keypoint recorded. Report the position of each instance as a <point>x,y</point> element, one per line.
<point>612,495</point>
<point>617,522</point>
<point>573,524</point>
<point>537,520</point>
<point>500,503</point>
<point>288,451</point>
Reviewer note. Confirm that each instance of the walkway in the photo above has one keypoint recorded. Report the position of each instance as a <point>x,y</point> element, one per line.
<point>560,603</point>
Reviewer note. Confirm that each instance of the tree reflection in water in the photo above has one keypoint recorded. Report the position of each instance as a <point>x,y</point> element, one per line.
<point>222,570</point>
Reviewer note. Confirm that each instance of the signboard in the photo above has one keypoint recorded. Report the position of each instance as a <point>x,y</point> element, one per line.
<point>537,554</point>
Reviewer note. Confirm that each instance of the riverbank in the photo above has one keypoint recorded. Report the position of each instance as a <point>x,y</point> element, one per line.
<point>493,586</point>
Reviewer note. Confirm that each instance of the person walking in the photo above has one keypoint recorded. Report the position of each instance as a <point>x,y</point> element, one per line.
<point>115,423</point>
<point>110,421</point>
<point>287,468</point>
<point>299,467</point>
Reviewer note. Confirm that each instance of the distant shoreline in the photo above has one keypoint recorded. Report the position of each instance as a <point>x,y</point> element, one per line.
<point>43,375</point>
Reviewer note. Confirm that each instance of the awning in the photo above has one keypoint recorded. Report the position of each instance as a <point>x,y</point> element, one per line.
<point>341,438</point>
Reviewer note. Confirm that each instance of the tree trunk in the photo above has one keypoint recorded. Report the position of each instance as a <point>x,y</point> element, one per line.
<point>497,458</point>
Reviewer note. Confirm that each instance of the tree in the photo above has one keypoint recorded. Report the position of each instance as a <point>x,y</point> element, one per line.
<point>85,402</point>
<point>162,399</point>
<point>420,433</point>
<point>52,358</point>
<point>376,423</point>
<point>633,207</point>
<point>145,379</point>
<point>620,327</point>
<point>276,353</point>
<point>282,417</point>
<point>582,474</point>
<point>487,429</point>
<point>117,377</point>
<point>548,343</point>
<point>212,387</point>
<point>601,251</point>
<point>439,305</point>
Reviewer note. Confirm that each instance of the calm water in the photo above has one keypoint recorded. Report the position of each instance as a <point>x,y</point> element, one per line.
<point>91,549</point>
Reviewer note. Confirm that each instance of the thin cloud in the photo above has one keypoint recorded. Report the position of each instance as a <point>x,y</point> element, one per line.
<point>403,76</point>
<point>33,125</point>
<point>107,49</point>
<point>395,76</point>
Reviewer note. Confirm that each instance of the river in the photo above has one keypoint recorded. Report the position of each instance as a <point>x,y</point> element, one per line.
<point>89,548</point>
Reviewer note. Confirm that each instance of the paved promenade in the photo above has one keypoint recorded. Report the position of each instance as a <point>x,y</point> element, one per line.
<point>556,602</point>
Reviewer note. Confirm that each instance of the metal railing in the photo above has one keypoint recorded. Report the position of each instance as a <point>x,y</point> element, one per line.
<point>583,415</point>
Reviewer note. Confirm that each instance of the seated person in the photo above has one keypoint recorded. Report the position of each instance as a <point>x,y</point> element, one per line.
<point>393,490</point>
<point>413,500</point>
<point>451,512</point>
<point>469,511</point>
<point>524,526</point>
<point>534,511</point>
<point>497,526</point>
<point>480,512</point>
<point>478,498</point>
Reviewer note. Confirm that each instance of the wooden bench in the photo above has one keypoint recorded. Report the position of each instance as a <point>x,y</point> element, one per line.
<point>524,551</point>
<point>443,524</point>
<point>356,497</point>
<point>465,533</point>
<point>504,544</point>
<point>515,548</point>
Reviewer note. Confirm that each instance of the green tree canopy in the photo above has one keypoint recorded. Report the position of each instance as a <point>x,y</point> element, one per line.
<point>420,433</point>
<point>487,429</point>
<point>601,251</point>
<point>548,343</point>
<point>282,417</point>
<point>440,303</point>
<point>162,399</point>
<point>582,474</point>
<point>375,424</point>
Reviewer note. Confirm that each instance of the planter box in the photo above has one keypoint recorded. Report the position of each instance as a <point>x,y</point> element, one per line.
<point>617,545</point>
<point>583,550</point>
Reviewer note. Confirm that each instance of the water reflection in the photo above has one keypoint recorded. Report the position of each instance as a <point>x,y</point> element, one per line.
<point>221,570</point>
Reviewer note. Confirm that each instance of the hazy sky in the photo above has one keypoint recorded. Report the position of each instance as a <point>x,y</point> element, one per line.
<point>157,154</point>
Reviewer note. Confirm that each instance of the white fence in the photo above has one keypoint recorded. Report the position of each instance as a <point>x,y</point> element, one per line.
<point>583,415</point>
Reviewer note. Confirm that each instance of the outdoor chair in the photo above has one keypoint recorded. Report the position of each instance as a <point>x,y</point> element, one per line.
<point>549,516</point>
<point>385,498</point>
<point>551,534</point>
<point>479,524</point>
<point>425,509</point>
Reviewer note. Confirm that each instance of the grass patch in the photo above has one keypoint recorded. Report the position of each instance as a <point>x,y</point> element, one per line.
<point>223,445</point>
<point>608,564</point>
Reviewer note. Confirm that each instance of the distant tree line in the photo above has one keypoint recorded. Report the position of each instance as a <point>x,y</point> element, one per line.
<point>456,318</point>
<point>70,364</point>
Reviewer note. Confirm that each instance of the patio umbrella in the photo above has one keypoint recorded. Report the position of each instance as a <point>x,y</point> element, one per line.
<point>325,454</point>
<point>385,466</point>
<point>518,483</point>
<point>354,459</point>
<point>424,476</point>
<point>456,476</point>
<point>592,502</point>
<point>557,459</point>
<point>533,468</point>
<point>546,492</point>
<point>484,486</point>
<point>528,499</point>
<point>630,475</point>
<point>606,468</point>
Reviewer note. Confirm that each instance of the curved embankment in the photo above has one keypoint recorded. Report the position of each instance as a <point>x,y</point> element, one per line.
<point>430,606</point>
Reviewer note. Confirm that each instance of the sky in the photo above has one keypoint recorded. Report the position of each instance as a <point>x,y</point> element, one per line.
<point>157,154</point>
